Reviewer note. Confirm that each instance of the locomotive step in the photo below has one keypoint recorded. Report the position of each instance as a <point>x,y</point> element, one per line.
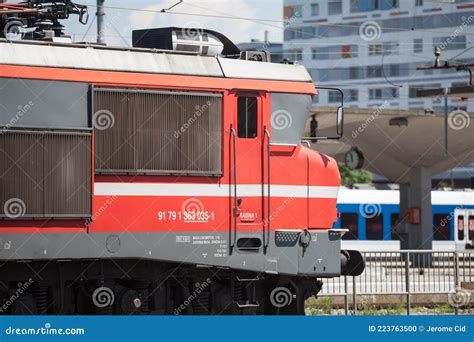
<point>245,305</point>
<point>248,279</point>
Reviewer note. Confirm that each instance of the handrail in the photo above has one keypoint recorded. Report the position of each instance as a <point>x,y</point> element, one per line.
<point>266,240</point>
<point>233,136</point>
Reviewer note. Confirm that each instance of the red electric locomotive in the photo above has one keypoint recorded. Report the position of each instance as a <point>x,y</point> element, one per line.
<point>167,178</point>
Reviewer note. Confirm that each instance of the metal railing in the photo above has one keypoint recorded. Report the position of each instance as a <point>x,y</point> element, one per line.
<point>404,273</point>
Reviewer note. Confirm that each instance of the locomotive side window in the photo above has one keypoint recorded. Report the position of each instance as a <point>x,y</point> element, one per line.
<point>349,221</point>
<point>247,117</point>
<point>157,132</point>
<point>43,104</point>
<point>45,150</point>
<point>288,118</point>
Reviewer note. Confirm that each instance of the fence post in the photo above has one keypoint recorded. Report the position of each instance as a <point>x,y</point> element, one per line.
<point>456,278</point>
<point>407,281</point>
<point>346,297</point>
<point>354,295</point>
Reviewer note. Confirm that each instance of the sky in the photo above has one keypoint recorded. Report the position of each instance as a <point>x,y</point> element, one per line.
<point>119,23</point>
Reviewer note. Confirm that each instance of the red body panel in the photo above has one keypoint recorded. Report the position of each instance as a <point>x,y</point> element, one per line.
<point>293,171</point>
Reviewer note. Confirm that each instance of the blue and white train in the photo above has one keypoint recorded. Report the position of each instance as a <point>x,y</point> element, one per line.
<point>372,217</point>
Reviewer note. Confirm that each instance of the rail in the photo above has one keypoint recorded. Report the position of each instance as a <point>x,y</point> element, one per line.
<point>407,273</point>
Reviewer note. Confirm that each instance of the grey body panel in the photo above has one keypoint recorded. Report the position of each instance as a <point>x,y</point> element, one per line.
<point>143,61</point>
<point>60,56</point>
<point>235,68</point>
<point>36,103</point>
<point>321,258</point>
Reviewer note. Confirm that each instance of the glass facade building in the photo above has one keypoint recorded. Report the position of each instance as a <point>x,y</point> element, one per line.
<point>371,48</point>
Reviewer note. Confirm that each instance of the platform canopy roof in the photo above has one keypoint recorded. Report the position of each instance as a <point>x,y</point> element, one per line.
<point>394,141</point>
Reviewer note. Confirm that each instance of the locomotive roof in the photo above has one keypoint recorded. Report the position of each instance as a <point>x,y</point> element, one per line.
<point>95,57</point>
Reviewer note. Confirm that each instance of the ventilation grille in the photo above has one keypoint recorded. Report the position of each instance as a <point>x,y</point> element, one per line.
<point>157,132</point>
<point>286,238</point>
<point>45,175</point>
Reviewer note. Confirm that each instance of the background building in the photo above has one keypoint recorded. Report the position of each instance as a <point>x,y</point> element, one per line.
<point>371,48</point>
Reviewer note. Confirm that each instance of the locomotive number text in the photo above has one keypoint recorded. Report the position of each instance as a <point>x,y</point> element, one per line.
<point>186,216</point>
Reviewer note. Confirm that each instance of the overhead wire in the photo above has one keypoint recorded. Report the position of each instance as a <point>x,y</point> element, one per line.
<point>257,20</point>
<point>266,22</point>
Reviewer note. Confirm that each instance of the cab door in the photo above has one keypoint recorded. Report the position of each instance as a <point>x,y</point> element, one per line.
<point>247,165</point>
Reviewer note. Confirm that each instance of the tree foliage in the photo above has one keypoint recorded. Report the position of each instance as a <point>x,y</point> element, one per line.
<point>350,177</point>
